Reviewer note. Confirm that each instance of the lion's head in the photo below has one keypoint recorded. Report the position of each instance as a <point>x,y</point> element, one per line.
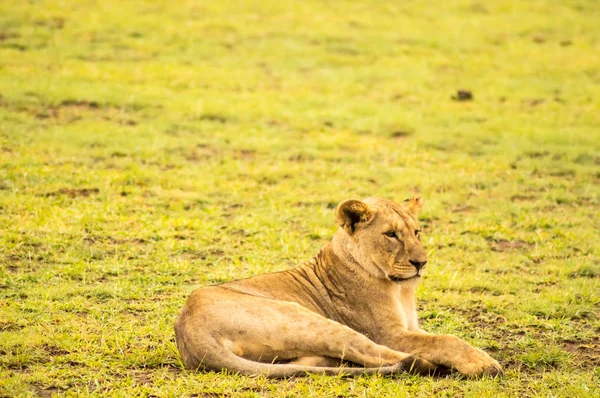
<point>383,237</point>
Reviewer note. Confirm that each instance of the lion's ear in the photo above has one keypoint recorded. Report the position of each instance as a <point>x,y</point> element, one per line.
<point>351,212</point>
<point>414,204</point>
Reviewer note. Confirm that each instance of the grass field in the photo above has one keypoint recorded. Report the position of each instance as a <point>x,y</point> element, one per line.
<point>148,148</point>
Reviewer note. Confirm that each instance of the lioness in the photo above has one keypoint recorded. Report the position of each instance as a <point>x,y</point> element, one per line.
<point>353,304</point>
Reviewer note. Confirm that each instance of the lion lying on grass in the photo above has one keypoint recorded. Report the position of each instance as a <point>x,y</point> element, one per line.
<point>353,304</point>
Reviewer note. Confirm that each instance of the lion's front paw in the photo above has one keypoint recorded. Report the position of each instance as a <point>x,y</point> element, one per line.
<point>478,363</point>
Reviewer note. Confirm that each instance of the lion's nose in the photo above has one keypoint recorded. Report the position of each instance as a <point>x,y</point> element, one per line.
<point>418,264</point>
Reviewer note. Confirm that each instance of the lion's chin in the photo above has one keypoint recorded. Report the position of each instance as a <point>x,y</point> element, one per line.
<point>398,279</point>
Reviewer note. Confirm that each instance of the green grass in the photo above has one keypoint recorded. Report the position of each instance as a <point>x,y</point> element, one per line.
<point>149,148</point>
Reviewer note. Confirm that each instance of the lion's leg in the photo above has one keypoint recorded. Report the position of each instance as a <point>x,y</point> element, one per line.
<point>318,361</point>
<point>446,350</point>
<point>265,330</point>
<point>283,330</point>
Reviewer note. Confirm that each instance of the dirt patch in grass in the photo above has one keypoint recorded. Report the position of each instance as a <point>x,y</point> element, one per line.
<point>80,104</point>
<point>8,35</point>
<point>201,153</point>
<point>183,237</point>
<point>522,198</point>
<point>586,352</point>
<point>10,326</point>
<point>541,286</point>
<point>400,134</point>
<point>116,241</point>
<point>533,101</point>
<point>480,316</point>
<point>47,391</point>
<point>73,192</point>
<point>12,268</point>
<point>463,95</point>
<point>537,154</point>
<point>54,351</point>
<point>70,111</point>
<point>325,204</point>
<point>301,157</point>
<point>128,241</point>
<point>143,378</point>
<point>198,255</point>
<point>501,245</point>
<point>216,118</point>
<point>563,173</point>
<point>462,209</point>
<point>586,271</point>
<point>245,154</point>
<point>483,290</point>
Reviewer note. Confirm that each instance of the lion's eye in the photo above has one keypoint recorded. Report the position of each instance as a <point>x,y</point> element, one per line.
<point>391,234</point>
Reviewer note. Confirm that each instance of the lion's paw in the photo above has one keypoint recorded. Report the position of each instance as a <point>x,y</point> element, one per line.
<point>478,363</point>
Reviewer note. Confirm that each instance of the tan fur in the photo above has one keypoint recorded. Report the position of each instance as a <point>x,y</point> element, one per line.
<point>353,304</point>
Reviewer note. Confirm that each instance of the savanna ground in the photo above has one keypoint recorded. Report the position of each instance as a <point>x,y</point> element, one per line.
<point>149,148</point>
